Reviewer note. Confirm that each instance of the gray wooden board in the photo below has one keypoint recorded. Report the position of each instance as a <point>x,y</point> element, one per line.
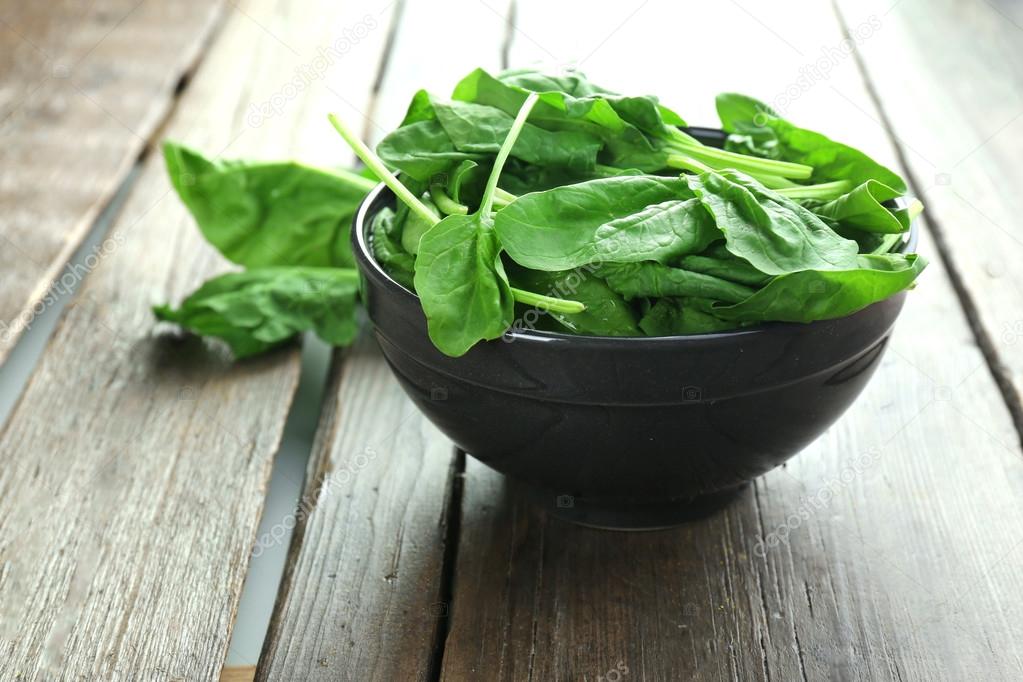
<point>134,467</point>
<point>84,88</point>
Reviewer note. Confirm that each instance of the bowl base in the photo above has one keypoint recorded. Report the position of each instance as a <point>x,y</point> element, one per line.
<point>633,514</point>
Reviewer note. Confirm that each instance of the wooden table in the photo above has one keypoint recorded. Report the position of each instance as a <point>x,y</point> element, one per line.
<point>133,468</point>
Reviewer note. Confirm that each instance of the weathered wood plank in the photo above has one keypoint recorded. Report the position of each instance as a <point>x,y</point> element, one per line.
<point>132,472</point>
<point>84,88</point>
<point>363,594</point>
<point>958,123</point>
<point>896,536</point>
<point>360,595</point>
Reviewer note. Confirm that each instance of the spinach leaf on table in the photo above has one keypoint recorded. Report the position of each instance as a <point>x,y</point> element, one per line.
<point>258,309</point>
<point>265,214</point>
<point>619,219</point>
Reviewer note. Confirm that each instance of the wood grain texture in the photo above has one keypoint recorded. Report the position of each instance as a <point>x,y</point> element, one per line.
<point>889,549</point>
<point>363,595</point>
<point>958,123</point>
<point>132,473</point>
<point>85,85</point>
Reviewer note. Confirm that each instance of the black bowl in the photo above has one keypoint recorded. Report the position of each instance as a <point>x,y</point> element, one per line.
<point>618,432</point>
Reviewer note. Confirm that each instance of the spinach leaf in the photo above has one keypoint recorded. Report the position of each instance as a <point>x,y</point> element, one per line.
<point>725,266</point>
<point>863,209</point>
<point>476,128</point>
<point>387,248</point>
<point>258,309</point>
<point>681,316</point>
<point>825,294</point>
<point>606,314</point>
<point>619,219</point>
<point>459,275</point>
<point>267,214</point>
<point>422,150</point>
<point>760,131</point>
<point>770,231</point>
<point>461,283</point>
<point>416,225</point>
<point>653,280</point>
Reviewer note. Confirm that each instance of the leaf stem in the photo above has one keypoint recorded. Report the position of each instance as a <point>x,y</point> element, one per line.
<point>359,181</point>
<point>374,163</point>
<point>502,154</point>
<point>720,158</point>
<point>548,303</point>
<point>446,204</point>
<point>824,190</point>
<point>683,162</point>
<point>503,197</point>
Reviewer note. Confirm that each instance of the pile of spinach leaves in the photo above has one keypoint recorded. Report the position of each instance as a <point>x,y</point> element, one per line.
<point>535,201</point>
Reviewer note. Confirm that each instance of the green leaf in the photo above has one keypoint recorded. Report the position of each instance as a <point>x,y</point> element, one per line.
<point>481,129</point>
<point>606,314</point>
<point>422,150</point>
<point>653,280</point>
<point>619,219</point>
<point>465,295</point>
<point>772,232</point>
<point>863,209</point>
<point>387,248</point>
<point>760,131</point>
<point>719,262</point>
<point>823,295</point>
<point>682,316</point>
<point>459,275</point>
<point>267,214</point>
<point>582,108</point>
<point>258,309</point>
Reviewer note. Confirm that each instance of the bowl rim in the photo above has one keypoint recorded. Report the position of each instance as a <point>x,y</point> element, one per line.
<point>365,255</point>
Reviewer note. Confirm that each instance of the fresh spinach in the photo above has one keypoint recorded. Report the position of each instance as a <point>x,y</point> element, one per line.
<point>758,130</point>
<point>775,234</point>
<point>622,219</point>
<point>256,310</point>
<point>826,294</point>
<point>264,214</point>
<point>538,201</point>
